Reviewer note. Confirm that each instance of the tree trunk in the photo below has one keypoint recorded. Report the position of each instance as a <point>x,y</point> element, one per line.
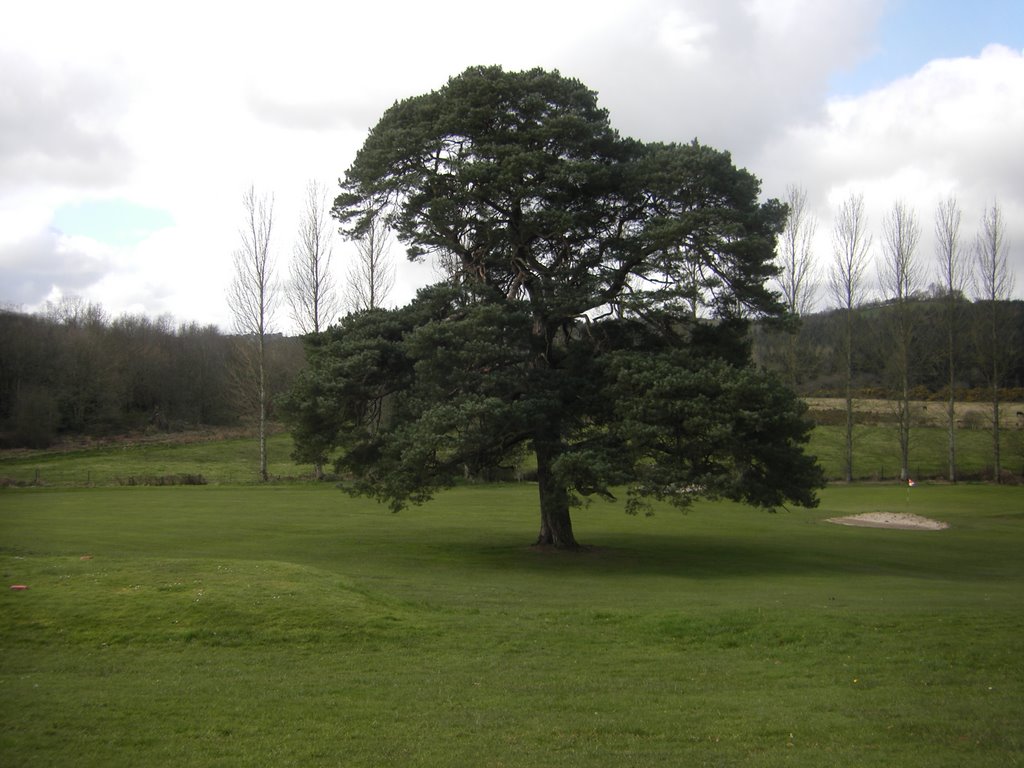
<point>264,476</point>
<point>555,522</point>
<point>997,466</point>
<point>848,446</point>
<point>997,469</point>
<point>951,408</point>
<point>904,425</point>
<point>903,340</point>
<point>951,425</point>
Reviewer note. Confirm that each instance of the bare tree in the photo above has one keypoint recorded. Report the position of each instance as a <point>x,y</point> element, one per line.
<point>372,275</point>
<point>899,275</point>
<point>851,244</point>
<point>796,255</point>
<point>796,265</point>
<point>993,286</point>
<point>447,266</point>
<point>84,383</point>
<point>311,294</point>
<point>252,298</point>
<point>953,275</point>
<point>75,312</point>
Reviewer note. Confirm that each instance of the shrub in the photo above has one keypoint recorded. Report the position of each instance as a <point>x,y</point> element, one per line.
<point>162,480</point>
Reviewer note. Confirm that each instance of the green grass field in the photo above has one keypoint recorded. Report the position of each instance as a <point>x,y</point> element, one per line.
<point>876,452</point>
<point>293,626</point>
<point>235,461</point>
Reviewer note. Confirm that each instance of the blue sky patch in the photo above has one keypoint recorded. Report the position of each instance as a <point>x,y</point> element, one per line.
<point>114,222</point>
<point>914,32</point>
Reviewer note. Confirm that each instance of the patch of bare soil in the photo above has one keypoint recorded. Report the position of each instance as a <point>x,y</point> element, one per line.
<point>899,520</point>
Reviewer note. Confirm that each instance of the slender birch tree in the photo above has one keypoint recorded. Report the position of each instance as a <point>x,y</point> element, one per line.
<point>372,275</point>
<point>310,290</point>
<point>993,286</point>
<point>851,244</point>
<point>796,269</point>
<point>252,298</point>
<point>953,274</point>
<point>899,275</point>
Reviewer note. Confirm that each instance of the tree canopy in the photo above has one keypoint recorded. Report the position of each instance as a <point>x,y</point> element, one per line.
<point>596,313</point>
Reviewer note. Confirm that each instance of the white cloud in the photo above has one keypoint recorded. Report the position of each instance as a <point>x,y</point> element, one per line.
<point>730,74</point>
<point>36,264</point>
<point>183,111</point>
<point>686,39</point>
<point>953,127</point>
<point>58,126</point>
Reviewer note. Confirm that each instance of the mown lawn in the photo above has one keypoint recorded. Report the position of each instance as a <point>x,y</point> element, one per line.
<point>877,453</point>
<point>293,626</point>
<point>235,461</point>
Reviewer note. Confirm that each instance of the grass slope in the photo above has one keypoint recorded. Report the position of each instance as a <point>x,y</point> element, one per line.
<point>230,461</point>
<point>292,626</point>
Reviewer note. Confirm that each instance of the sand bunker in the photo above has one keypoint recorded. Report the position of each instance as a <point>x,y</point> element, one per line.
<point>901,520</point>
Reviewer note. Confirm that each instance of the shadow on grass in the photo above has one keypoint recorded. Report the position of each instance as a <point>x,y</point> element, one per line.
<point>912,554</point>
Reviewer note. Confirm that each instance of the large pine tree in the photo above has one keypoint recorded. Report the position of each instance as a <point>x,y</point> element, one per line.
<point>596,313</point>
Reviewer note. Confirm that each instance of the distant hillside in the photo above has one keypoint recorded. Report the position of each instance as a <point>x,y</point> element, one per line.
<point>809,358</point>
<point>77,372</point>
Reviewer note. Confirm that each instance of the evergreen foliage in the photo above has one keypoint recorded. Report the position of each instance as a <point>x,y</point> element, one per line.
<point>596,314</point>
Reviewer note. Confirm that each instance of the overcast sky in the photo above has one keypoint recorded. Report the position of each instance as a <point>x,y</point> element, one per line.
<point>129,131</point>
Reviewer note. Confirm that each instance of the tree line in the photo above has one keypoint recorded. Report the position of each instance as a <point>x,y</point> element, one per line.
<point>925,321</point>
<point>71,370</point>
<point>811,356</point>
